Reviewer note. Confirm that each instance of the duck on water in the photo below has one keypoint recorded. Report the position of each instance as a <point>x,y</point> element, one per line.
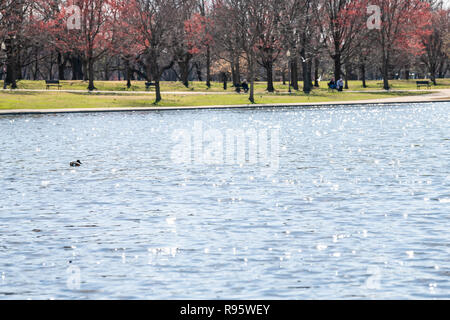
<point>76,163</point>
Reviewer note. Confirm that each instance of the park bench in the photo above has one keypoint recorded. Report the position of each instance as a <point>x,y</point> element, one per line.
<point>148,85</point>
<point>423,84</point>
<point>53,83</point>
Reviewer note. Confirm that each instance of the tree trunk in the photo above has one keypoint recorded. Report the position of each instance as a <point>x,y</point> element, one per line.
<point>91,86</point>
<point>433,69</point>
<point>294,74</point>
<point>85,70</point>
<point>269,70</point>
<point>252,79</point>
<point>77,69</point>
<point>224,80</point>
<point>385,66</point>
<point>199,72</point>
<point>107,75</point>
<point>363,74</point>
<point>306,74</point>
<point>347,74</point>
<point>236,65</point>
<point>233,73</point>
<point>185,75</point>
<point>310,69</point>
<point>119,74</point>
<point>158,91</point>
<point>184,69</point>
<point>337,66</point>
<point>18,65</point>
<point>61,67</point>
<point>36,65</point>
<point>128,73</point>
<point>208,67</point>
<point>73,63</point>
<point>316,72</point>
<point>11,76</point>
<point>433,78</point>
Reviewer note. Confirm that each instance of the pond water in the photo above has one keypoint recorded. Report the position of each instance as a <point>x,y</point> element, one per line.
<point>356,204</point>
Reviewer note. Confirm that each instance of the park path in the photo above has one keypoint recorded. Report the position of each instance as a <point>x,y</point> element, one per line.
<point>121,92</point>
<point>436,96</point>
<point>196,92</point>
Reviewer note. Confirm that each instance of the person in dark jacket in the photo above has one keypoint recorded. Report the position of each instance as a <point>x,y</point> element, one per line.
<point>245,86</point>
<point>332,84</point>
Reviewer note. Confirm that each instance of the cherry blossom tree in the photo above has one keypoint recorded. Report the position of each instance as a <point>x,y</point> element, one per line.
<point>83,27</point>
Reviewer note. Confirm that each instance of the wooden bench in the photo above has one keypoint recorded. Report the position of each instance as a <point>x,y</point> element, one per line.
<point>148,85</point>
<point>423,84</point>
<point>53,83</point>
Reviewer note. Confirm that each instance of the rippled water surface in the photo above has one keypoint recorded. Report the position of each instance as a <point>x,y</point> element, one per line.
<point>358,208</point>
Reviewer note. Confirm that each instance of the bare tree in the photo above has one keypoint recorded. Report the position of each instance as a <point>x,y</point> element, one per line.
<point>342,23</point>
<point>150,24</point>
<point>435,54</point>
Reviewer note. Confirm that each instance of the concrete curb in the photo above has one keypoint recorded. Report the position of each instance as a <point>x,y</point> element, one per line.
<point>218,107</point>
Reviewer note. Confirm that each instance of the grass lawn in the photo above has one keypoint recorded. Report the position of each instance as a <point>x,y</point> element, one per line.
<point>60,100</point>
<point>218,87</point>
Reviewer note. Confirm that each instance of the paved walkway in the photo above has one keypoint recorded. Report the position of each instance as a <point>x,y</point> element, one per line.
<point>436,96</point>
<point>195,92</point>
<point>122,92</point>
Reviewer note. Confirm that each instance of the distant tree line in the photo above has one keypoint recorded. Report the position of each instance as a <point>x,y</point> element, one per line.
<point>296,41</point>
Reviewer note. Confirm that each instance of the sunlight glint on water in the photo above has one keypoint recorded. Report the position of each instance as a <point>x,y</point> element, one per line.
<point>359,208</point>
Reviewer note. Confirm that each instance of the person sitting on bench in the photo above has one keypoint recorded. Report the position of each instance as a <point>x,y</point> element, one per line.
<point>340,85</point>
<point>332,84</point>
<point>245,86</point>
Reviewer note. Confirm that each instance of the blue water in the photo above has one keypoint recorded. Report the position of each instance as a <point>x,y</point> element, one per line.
<point>358,207</point>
